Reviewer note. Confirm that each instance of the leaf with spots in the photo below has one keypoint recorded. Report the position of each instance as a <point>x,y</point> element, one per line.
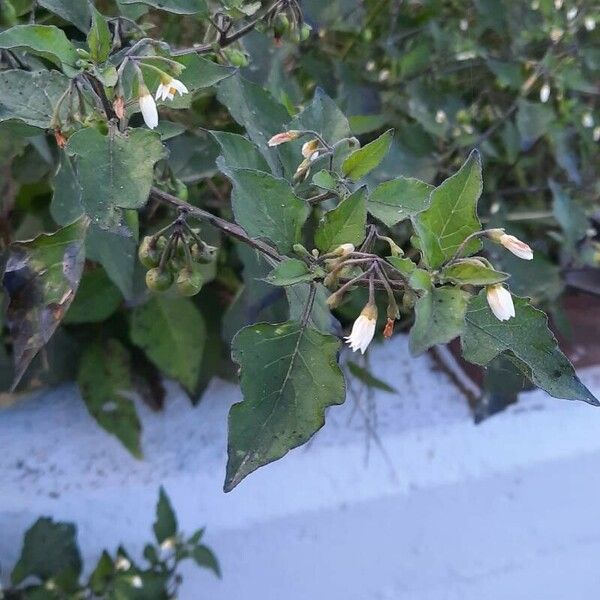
<point>289,376</point>
<point>527,338</point>
<point>41,278</point>
<point>105,382</point>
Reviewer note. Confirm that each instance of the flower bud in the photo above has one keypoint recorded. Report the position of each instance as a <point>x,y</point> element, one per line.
<point>500,301</point>
<point>283,137</point>
<point>388,330</point>
<point>309,148</point>
<point>344,250</point>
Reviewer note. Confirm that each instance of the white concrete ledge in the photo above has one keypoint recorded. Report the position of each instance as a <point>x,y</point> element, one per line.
<point>441,509</point>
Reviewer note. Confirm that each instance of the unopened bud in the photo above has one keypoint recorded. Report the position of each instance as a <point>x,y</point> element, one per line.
<point>283,137</point>
<point>344,250</point>
<point>388,330</point>
<point>119,106</point>
<point>309,148</point>
<point>334,300</point>
<point>61,140</point>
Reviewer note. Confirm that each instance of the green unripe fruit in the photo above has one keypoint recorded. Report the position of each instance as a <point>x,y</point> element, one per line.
<point>237,58</point>
<point>205,255</point>
<point>149,253</point>
<point>295,36</point>
<point>281,25</point>
<point>159,281</point>
<point>188,282</point>
<point>305,32</point>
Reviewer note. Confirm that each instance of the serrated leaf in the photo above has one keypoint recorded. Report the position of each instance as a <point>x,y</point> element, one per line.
<point>362,161</point>
<point>77,12</point>
<point>49,552</point>
<point>165,526</point>
<point>290,272</point>
<point>121,165</point>
<point>473,272</point>
<point>439,318</point>
<point>452,215</point>
<point>398,199</point>
<point>105,382</point>
<point>99,38</point>
<point>97,299</point>
<point>345,224</point>
<point>31,96</point>
<point>172,333</point>
<point>527,337</point>
<point>181,7</point>
<point>41,278</point>
<point>266,207</point>
<point>46,41</point>
<point>289,376</point>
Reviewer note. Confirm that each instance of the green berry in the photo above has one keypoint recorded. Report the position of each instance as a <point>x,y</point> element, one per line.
<point>149,253</point>
<point>189,282</point>
<point>305,31</point>
<point>205,255</point>
<point>237,58</point>
<point>159,281</point>
<point>281,25</point>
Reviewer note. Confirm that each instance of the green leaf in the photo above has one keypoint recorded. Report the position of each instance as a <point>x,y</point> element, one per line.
<point>473,272</point>
<point>97,299</point>
<point>289,376</point>
<point>165,526</point>
<point>325,180</point>
<point>31,96</point>
<point>102,574</point>
<point>105,382</point>
<point>527,337</point>
<point>369,379</point>
<point>172,333</point>
<point>49,552</point>
<point>320,317</point>
<point>393,201</point>
<point>570,216</point>
<point>41,278</point>
<point>266,207</point>
<point>345,224</point>
<point>99,39</point>
<point>533,120</point>
<point>404,265</point>
<point>290,272</point>
<point>78,13</point>
<point>46,41</point>
<point>121,165</point>
<point>452,215</point>
<point>439,318</point>
<point>362,161</point>
<point>204,557</point>
<point>238,152</point>
<point>181,7</point>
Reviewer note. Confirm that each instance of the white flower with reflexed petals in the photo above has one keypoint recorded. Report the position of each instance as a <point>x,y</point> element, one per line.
<point>148,107</point>
<point>363,329</point>
<point>500,301</point>
<point>169,87</point>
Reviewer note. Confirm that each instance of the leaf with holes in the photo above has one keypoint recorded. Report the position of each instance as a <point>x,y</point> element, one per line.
<point>289,376</point>
<point>41,278</point>
<point>526,337</point>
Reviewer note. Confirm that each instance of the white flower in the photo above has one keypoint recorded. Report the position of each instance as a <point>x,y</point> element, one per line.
<point>516,246</point>
<point>148,108</point>
<point>572,13</point>
<point>169,87</point>
<point>500,301</point>
<point>136,582</point>
<point>122,564</point>
<point>363,329</point>
<point>283,137</point>
<point>544,93</point>
<point>590,23</point>
<point>587,120</point>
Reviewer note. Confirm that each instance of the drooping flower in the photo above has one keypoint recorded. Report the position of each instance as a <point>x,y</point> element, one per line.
<point>148,107</point>
<point>169,87</point>
<point>309,148</point>
<point>363,329</point>
<point>500,301</point>
<point>283,137</point>
<point>136,582</point>
<point>511,243</point>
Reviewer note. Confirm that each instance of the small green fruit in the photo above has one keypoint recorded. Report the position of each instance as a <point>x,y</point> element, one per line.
<point>188,282</point>
<point>281,25</point>
<point>204,256</point>
<point>149,253</point>
<point>159,281</point>
<point>237,58</point>
<point>305,32</point>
